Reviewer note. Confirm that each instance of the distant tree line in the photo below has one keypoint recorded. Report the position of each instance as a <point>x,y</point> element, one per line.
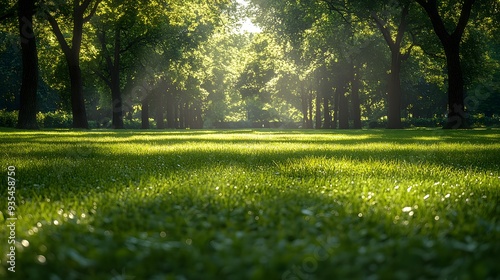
<point>316,64</point>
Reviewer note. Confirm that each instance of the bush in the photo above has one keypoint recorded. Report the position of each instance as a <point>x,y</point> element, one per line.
<point>8,118</point>
<point>57,119</point>
<point>132,124</point>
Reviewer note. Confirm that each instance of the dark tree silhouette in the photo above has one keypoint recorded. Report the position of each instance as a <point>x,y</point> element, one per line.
<point>29,85</point>
<point>394,91</point>
<point>451,45</point>
<point>72,55</point>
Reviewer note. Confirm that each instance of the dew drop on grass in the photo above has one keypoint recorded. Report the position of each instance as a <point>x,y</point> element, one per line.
<point>360,215</point>
<point>41,259</point>
<point>163,234</point>
<point>25,243</point>
<point>426,196</point>
<point>307,212</point>
<point>56,222</point>
<point>447,195</point>
<point>436,218</point>
<point>407,209</point>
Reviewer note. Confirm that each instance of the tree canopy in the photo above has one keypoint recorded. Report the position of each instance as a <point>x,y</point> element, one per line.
<point>310,63</point>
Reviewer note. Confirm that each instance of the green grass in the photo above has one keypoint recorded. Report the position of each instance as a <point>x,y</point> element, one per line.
<point>377,204</point>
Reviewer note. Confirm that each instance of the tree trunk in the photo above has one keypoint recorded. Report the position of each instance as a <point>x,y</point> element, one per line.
<point>394,88</point>
<point>394,93</point>
<point>77,100</point>
<point>115,84</point>
<point>170,108</point>
<point>343,109</point>
<point>145,113</point>
<point>318,109</point>
<point>355,102</point>
<point>303,103</point>
<point>72,55</point>
<point>327,119</point>
<point>28,98</point>
<point>310,103</point>
<point>336,108</point>
<point>160,122</point>
<point>457,117</point>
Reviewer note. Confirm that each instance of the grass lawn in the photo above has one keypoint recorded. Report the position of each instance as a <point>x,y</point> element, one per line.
<point>265,204</point>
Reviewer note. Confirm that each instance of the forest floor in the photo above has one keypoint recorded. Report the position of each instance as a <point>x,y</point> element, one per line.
<point>250,204</point>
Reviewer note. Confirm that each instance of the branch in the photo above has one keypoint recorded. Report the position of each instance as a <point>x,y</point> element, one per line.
<point>102,38</point>
<point>434,55</point>
<point>385,31</point>
<point>431,9</point>
<point>402,25</point>
<point>464,18</point>
<point>407,53</point>
<point>341,12</point>
<point>60,37</point>
<point>92,11</point>
<point>103,78</point>
<point>83,7</point>
<point>135,42</point>
<point>10,13</point>
<point>116,55</point>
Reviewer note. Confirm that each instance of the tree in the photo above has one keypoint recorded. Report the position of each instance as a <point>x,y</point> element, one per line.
<point>29,60</point>
<point>29,86</point>
<point>121,36</point>
<point>397,56</point>
<point>451,44</point>
<point>81,13</point>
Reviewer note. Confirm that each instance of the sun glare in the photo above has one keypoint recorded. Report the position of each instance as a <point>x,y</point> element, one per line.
<point>246,23</point>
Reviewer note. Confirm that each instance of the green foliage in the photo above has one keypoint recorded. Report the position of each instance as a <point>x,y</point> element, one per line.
<point>8,118</point>
<point>343,205</point>
<point>274,75</point>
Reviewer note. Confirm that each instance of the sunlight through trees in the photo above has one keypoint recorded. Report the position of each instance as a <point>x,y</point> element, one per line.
<point>250,63</point>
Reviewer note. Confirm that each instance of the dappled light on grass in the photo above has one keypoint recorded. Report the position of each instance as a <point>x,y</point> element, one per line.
<point>254,204</point>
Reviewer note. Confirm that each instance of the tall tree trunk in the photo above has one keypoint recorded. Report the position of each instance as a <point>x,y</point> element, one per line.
<point>145,113</point>
<point>28,98</point>
<point>310,102</point>
<point>457,118</point>
<point>115,84</point>
<point>170,108</point>
<point>72,55</point>
<point>327,119</point>
<point>318,109</point>
<point>355,102</point>
<point>394,93</point>
<point>336,106</point>
<point>303,103</point>
<point>159,107</point>
<point>343,108</point>
<point>394,89</point>
<point>77,99</point>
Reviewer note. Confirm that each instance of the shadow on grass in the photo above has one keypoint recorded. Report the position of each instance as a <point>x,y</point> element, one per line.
<point>280,229</point>
<point>286,233</point>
